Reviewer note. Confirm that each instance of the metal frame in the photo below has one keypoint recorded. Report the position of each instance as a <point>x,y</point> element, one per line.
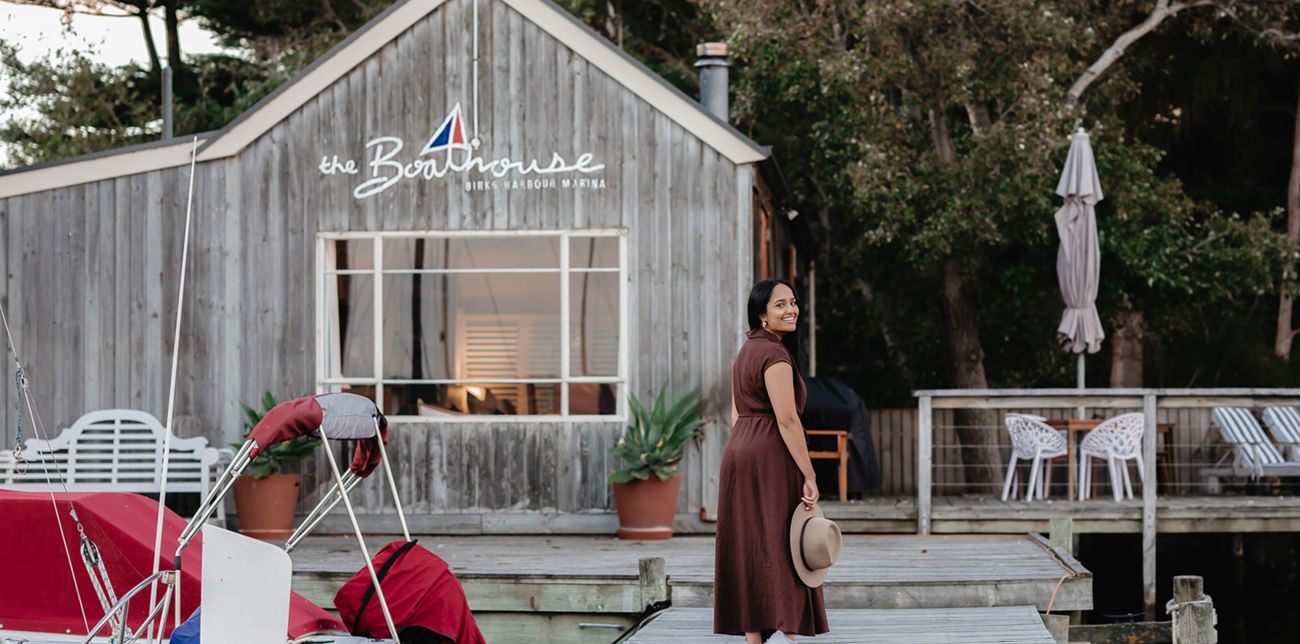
<point>344,483</point>
<point>123,606</point>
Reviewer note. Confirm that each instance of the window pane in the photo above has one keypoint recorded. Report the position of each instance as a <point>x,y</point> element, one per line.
<point>472,252</point>
<point>349,326</point>
<point>593,252</point>
<point>483,398</point>
<point>471,326</point>
<point>593,324</point>
<point>353,254</point>
<point>588,399</point>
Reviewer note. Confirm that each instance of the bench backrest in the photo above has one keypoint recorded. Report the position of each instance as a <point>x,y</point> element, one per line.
<point>112,449</point>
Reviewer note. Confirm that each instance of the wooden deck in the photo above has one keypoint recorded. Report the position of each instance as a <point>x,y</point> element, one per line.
<point>874,571</point>
<point>984,515</point>
<point>1004,625</point>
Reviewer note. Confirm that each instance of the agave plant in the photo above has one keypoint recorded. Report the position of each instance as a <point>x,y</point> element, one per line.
<point>275,457</point>
<point>654,441</point>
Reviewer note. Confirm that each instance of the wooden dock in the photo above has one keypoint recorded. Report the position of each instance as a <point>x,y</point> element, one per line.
<point>873,572</point>
<point>518,584</point>
<point>1003,625</point>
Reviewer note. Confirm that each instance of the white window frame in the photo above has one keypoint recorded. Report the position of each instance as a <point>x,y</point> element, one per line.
<point>325,384</point>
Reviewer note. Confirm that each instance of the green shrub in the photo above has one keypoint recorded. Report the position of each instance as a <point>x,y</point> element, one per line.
<point>653,442</point>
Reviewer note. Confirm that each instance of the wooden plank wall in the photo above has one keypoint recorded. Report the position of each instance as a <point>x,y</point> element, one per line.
<point>893,431</point>
<point>92,269</point>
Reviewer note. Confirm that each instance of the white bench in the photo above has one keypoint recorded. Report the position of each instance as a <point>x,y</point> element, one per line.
<point>114,450</point>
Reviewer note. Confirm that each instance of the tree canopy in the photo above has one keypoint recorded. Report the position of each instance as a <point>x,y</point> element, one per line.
<point>924,138</point>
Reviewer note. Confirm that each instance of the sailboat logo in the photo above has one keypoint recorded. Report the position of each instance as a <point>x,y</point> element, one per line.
<point>450,135</point>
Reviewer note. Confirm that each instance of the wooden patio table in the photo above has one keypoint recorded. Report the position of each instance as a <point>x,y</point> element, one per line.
<point>1074,427</point>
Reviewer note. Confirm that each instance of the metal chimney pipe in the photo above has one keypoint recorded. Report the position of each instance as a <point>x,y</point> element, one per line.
<point>167,103</point>
<point>711,60</point>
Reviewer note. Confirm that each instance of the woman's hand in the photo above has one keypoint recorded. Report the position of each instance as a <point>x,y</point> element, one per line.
<point>810,493</point>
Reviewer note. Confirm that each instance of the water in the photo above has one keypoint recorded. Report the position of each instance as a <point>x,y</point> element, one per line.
<point>1253,579</point>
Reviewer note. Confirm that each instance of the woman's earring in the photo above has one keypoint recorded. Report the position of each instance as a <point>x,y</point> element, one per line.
<point>764,325</point>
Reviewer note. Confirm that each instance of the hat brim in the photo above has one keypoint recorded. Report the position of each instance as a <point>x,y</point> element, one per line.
<point>811,578</point>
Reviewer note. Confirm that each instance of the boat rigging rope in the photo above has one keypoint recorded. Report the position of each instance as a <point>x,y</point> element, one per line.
<point>171,402</point>
<point>24,394</point>
<point>95,570</point>
<point>20,463</point>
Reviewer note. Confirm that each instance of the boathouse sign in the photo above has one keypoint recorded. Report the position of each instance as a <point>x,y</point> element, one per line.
<point>449,152</point>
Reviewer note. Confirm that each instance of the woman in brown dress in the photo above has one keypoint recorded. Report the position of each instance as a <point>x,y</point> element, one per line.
<point>766,473</point>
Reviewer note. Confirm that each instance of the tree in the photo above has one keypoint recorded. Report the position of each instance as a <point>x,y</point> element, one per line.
<point>82,107</point>
<point>933,134</point>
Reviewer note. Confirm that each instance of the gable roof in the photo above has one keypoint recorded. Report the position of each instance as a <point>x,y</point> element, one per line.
<point>353,51</point>
<point>548,16</point>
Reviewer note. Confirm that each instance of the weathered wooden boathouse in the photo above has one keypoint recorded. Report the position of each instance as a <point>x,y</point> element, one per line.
<point>479,212</point>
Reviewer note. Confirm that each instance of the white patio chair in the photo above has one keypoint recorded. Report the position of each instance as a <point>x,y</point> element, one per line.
<point>1283,422</point>
<point>1031,440</point>
<point>1118,440</point>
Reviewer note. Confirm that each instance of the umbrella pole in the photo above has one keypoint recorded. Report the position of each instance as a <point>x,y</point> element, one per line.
<point>1079,411</point>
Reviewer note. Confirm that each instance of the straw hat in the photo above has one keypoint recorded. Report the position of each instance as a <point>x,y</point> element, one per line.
<point>815,544</point>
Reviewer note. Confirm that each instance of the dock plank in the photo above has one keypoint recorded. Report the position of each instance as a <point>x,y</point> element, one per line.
<point>1001,625</point>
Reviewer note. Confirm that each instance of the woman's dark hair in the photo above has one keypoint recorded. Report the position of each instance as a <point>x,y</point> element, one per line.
<point>759,296</point>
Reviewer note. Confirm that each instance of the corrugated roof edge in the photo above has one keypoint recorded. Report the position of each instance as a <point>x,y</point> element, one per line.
<point>127,149</point>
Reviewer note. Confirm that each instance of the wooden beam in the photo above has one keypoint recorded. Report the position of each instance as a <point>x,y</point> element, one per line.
<point>924,455</point>
<point>653,580</point>
<point>1062,533</point>
<point>1148,465</point>
<point>1037,402</point>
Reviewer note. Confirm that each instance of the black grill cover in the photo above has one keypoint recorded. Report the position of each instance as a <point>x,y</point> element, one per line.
<point>833,405</point>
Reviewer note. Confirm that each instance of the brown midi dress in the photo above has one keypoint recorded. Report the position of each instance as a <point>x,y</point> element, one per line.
<point>756,588</point>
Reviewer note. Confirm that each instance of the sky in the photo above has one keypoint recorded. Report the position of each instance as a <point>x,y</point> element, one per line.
<point>38,31</point>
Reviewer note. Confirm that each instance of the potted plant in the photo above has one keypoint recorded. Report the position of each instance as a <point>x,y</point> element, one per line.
<point>645,488</point>
<point>266,498</point>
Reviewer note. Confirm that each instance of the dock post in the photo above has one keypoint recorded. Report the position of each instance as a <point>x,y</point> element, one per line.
<point>924,447</point>
<point>1061,534</point>
<point>1148,466</point>
<point>654,581</point>
<point>1192,611</point>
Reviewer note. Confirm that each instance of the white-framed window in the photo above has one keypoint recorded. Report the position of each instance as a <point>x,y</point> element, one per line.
<point>472,324</point>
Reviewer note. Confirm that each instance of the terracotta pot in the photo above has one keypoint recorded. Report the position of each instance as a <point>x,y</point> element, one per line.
<point>646,508</point>
<point>266,505</point>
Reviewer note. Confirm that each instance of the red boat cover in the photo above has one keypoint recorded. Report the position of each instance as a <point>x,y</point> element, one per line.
<point>303,417</point>
<point>421,593</point>
<point>38,593</point>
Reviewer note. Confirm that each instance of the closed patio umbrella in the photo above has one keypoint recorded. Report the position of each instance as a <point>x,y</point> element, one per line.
<point>1078,261</point>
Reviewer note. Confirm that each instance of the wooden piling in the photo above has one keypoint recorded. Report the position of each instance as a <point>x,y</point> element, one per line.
<point>1192,612</point>
<point>654,581</point>
<point>924,461</point>
<point>1148,466</point>
<point>1061,534</point>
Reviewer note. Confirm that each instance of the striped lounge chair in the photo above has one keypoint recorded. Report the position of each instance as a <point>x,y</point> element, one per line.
<point>1254,455</point>
<point>1283,422</point>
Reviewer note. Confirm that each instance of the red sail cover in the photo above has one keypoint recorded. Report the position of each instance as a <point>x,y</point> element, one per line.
<point>421,593</point>
<point>38,593</point>
<point>303,417</point>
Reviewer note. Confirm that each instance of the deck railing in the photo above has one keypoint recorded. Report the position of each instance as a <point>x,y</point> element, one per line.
<point>1187,444</point>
